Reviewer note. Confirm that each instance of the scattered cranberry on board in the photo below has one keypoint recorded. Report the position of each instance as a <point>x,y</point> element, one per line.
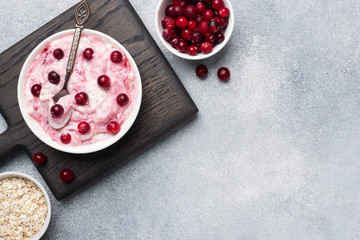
<point>66,175</point>
<point>201,71</point>
<point>187,25</point>
<point>223,74</point>
<point>39,158</point>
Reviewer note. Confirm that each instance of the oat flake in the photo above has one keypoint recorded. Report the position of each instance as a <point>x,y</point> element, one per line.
<point>22,209</point>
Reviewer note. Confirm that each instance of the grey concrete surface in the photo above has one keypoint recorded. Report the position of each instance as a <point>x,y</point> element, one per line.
<point>273,154</point>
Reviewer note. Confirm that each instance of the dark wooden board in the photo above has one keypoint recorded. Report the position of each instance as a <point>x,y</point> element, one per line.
<point>165,103</point>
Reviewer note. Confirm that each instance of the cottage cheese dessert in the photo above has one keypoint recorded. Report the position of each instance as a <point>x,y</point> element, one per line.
<point>102,89</point>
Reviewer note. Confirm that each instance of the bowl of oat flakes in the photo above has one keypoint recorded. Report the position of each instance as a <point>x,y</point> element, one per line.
<point>25,207</point>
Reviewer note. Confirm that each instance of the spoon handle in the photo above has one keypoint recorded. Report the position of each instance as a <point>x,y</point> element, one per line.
<point>74,47</point>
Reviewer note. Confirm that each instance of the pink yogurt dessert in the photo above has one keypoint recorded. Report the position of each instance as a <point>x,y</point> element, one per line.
<point>102,90</point>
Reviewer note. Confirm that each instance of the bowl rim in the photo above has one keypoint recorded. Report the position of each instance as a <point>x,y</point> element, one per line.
<point>228,32</point>
<point>45,226</point>
<point>89,148</point>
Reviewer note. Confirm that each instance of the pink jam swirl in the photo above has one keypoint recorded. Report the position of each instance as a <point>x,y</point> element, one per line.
<point>102,106</point>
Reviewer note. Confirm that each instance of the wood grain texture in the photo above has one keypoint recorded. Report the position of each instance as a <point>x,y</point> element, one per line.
<point>165,103</point>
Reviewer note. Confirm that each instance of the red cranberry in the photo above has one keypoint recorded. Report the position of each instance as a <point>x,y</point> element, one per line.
<point>208,14</point>
<point>104,81</point>
<point>58,53</point>
<point>88,53</point>
<point>196,37</point>
<point>220,37</point>
<point>81,98</point>
<point>164,21</point>
<point>122,99</point>
<point>201,71</point>
<point>190,11</point>
<point>182,46</point>
<point>65,138</point>
<point>192,50</point>
<point>169,10</point>
<point>206,47</point>
<point>222,22</point>
<point>223,74</point>
<point>186,34</point>
<point>217,4</point>
<point>209,37</point>
<point>113,127</point>
<point>179,3</point>
<point>116,57</point>
<point>57,111</point>
<point>200,8</point>
<point>178,11</point>
<point>213,28</point>
<point>171,24</point>
<point>198,19</point>
<point>39,158</point>
<point>203,27</point>
<point>35,90</point>
<point>181,22</point>
<point>66,175</point>
<point>83,127</point>
<point>53,77</point>
<point>192,24</point>
<point>167,34</point>
<point>224,12</point>
<point>174,42</point>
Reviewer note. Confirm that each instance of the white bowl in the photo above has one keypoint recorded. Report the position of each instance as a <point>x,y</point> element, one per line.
<point>43,229</point>
<point>160,13</point>
<point>35,126</point>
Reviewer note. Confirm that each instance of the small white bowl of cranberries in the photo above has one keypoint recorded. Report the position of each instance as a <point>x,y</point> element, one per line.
<point>194,29</point>
<point>105,92</point>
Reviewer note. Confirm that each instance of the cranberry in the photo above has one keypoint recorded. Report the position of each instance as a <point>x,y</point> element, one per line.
<point>53,77</point>
<point>208,14</point>
<point>200,8</point>
<point>196,37</point>
<point>209,37</point>
<point>198,19</point>
<point>66,175</point>
<point>201,71</point>
<point>116,57</point>
<point>186,34</point>
<point>192,50</point>
<point>203,27</point>
<point>57,111</point>
<point>171,24</point>
<point>167,34</point>
<point>164,21</point>
<point>182,46</point>
<point>190,11</point>
<point>213,28</point>
<point>217,4</point>
<point>222,22</point>
<point>220,37</point>
<point>58,53</point>
<point>175,41</point>
<point>178,11</point>
<point>169,10</point>
<point>113,127</point>
<point>65,138</point>
<point>83,127</point>
<point>81,98</point>
<point>88,53</point>
<point>35,90</point>
<point>104,81</point>
<point>181,22</point>
<point>223,74</point>
<point>39,158</point>
<point>206,47</point>
<point>122,99</point>
<point>192,24</point>
<point>224,12</point>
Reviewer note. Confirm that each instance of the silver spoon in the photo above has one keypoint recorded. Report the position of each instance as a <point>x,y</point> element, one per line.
<point>82,14</point>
